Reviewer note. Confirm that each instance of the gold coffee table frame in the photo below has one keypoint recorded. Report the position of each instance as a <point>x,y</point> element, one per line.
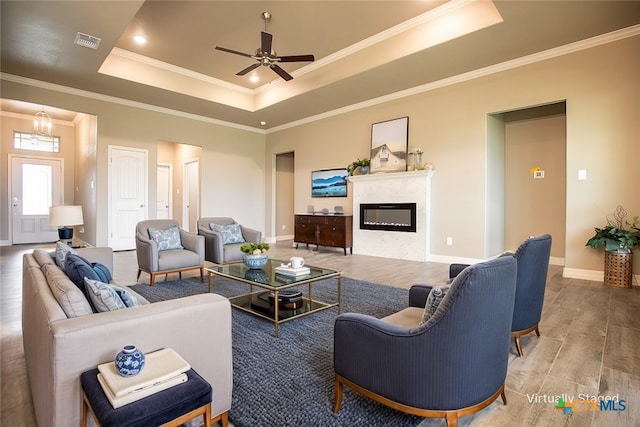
<point>266,279</point>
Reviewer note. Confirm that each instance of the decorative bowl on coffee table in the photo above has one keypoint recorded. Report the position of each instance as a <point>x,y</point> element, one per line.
<point>255,261</point>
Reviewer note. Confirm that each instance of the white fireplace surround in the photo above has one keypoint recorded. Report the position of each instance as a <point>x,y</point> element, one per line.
<point>399,187</point>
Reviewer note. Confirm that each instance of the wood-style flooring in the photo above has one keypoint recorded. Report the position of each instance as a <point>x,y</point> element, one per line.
<point>590,343</point>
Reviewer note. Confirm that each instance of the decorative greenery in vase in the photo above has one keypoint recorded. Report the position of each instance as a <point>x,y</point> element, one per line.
<point>360,163</point>
<point>618,235</point>
<point>254,248</point>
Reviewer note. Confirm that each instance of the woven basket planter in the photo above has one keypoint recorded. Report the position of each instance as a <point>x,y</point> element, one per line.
<point>617,269</point>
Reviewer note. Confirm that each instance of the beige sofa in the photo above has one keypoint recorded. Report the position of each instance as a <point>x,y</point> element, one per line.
<point>58,349</point>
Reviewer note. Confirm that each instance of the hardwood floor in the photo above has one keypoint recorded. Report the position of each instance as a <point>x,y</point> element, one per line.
<point>590,343</point>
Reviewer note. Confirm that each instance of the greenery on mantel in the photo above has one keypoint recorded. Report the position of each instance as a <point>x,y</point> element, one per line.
<point>618,235</point>
<point>358,163</point>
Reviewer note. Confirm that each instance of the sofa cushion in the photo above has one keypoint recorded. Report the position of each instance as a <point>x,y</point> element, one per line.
<point>43,257</point>
<point>104,297</point>
<point>69,297</point>
<point>231,233</point>
<point>436,296</point>
<point>62,250</point>
<point>166,239</point>
<point>127,298</point>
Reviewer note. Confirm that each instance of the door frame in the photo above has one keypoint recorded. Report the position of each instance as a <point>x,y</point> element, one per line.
<point>169,166</point>
<point>186,192</point>
<point>10,158</point>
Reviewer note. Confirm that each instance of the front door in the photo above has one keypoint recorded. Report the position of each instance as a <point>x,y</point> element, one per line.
<point>127,195</point>
<point>36,184</point>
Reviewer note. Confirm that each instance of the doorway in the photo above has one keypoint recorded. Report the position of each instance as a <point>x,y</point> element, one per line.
<point>191,196</point>
<point>284,195</point>
<point>164,201</point>
<point>527,177</point>
<point>36,184</point>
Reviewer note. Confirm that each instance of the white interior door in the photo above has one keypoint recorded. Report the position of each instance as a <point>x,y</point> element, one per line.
<point>191,196</point>
<point>127,195</point>
<point>36,184</point>
<point>163,197</point>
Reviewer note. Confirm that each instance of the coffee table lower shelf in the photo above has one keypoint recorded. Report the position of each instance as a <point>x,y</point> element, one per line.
<point>256,304</point>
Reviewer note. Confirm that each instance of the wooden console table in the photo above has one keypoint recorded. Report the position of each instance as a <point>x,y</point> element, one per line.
<point>334,230</point>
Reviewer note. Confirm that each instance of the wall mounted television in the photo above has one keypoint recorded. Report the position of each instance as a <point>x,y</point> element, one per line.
<point>329,183</point>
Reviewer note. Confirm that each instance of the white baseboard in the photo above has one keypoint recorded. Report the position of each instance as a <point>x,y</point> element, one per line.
<point>272,239</point>
<point>5,243</point>
<point>575,273</point>
<point>452,259</point>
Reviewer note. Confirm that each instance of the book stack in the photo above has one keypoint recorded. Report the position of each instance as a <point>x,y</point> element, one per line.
<point>163,369</point>
<point>294,272</point>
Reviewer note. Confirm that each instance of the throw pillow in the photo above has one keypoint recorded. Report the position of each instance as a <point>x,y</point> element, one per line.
<point>62,250</point>
<point>77,268</point>
<point>231,233</point>
<point>127,298</point>
<point>166,239</point>
<point>69,297</point>
<point>434,299</point>
<point>104,297</point>
<point>104,275</point>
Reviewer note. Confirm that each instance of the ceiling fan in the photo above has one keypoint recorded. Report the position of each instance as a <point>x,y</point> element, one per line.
<point>267,57</point>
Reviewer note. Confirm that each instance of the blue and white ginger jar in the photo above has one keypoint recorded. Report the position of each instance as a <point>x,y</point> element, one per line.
<point>130,361</point>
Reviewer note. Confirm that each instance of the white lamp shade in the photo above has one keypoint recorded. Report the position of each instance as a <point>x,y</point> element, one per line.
<point>63,216</point>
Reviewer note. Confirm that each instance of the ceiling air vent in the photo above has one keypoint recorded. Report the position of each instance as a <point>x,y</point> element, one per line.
<point>85,40</point>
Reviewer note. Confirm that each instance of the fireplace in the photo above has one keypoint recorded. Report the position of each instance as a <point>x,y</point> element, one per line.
<point>388,216</point>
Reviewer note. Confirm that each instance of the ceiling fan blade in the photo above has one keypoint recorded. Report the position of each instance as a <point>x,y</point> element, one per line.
<point>224,49</point>
<point>267,41</point>
<point>282,73</point>
<point>249,68</point>
<point>297,58</point>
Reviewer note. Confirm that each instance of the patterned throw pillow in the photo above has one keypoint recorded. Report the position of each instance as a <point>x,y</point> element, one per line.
<point>62,250</point>
<point>166,239</point>
<point>230,233</point>
<point>126,297</point>
<point>436,296</point>
<point>103,296</point>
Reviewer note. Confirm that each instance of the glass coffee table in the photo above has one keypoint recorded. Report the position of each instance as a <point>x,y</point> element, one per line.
<point>274,299</point>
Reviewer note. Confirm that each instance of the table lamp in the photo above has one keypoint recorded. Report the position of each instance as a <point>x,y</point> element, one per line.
<point>65,217</point>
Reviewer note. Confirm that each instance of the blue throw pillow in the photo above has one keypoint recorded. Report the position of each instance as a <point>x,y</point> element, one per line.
<point>126,297</point>
<point>104,275</point>
<point>77,268</point>
<point>230,233</point>
<point>166,239</point>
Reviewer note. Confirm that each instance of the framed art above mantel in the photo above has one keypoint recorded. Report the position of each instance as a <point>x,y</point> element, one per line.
<point>389,142</point>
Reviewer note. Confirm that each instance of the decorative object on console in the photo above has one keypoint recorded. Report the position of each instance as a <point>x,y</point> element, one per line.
<point>255,254</point>
<point>329,183</point>
<point>129,361</point>
<point>415,160</point>
<point>65,217</point>
<point>619,237</point>
<point>338,210</point>
<point>389,145</point>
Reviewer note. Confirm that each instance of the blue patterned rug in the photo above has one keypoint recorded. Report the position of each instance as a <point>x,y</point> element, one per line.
<point>288,381</point>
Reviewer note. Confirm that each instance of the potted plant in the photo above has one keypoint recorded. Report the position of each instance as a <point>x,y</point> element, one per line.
<point>255,254</point>
<point>618,237</point>
<point>361,165</point>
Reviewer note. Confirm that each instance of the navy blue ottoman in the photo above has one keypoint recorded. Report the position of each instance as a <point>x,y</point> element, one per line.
<point>170,407</point>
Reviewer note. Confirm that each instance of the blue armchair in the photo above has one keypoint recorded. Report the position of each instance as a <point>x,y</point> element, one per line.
<point>452,365</point>
<point>533,264</point>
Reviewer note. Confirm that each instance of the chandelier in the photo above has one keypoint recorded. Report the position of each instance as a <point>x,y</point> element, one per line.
<point>42,123</point>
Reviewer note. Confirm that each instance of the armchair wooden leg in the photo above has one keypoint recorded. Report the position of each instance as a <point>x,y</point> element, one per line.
<point>139,271</point>
<point>338,395</point>
<point>452,419</point>
<point>152,279</point>
<point>519,346</point>
<point>504,396</point>
<point>202,274</point>
<point>537,331</point>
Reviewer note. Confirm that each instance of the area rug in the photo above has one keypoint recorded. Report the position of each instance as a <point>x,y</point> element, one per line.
<point>288,381</point>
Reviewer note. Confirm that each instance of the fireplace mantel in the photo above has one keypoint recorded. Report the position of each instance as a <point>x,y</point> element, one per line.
<point>398,187</point>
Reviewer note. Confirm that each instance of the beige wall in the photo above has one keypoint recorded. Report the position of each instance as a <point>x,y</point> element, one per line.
<point>450,125</point>
<point>232,160</point>
<point>535,206</point>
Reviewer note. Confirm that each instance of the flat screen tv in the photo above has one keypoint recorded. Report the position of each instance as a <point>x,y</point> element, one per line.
<point>329,183</point>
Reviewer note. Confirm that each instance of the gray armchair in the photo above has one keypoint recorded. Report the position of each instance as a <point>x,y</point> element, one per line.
<point>453,365</point>
<point>216,250</point>
<point>533,264</point>
<point>156,260</point>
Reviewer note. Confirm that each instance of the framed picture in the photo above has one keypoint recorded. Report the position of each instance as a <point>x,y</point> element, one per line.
<point>329,183</point>
<point>389,141</point>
